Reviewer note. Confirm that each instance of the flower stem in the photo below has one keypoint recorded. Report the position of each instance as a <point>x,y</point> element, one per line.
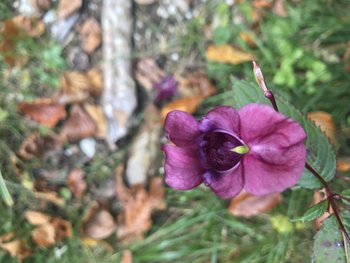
<point>330,195</point>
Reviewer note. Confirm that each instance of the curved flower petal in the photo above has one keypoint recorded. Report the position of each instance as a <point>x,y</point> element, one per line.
<point>182,168</point>
<point>262,124</point>
<point>221,118</point>
<point>277,153</point>
<point>262,177</point>
<point>225,184</point>
<point>181,127</point>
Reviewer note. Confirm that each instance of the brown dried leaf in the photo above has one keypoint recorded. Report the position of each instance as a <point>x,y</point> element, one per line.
<point>248,205</point>
<point>325,121</point>
<point>36,218</point>
<point>138,205</point>
<point>98,116</point>
<point>95,77</point>
<point>33,27</point>
<point>11,35</point>
<point>16,248</point>
<point>76,182</point>
<point>76,86</point>
<point>148,73</point>
<point>36,145</point>
<point>227,54</point>
<point>99,225</point>
<point>68,7</point>
<point>187,104</point>
<point>63,228</point>
<point>44,235</point>
<point>196,84</point>
<point>78,126</point>
<point>91,34</point>
<point>43,111</point>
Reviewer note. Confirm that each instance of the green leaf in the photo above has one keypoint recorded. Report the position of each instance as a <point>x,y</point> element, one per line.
<point>4,193</point>
<point>320,152</point>
<point>313,212</point>
<point>329,245</point>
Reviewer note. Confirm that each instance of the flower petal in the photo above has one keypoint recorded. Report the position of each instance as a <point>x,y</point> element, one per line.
<point>181,128</point>
<point>221,118</point>
<point>261,122</point>
<point>225,184</point>
<point>277,154</point>
<point>182,168</point>
<point>261,177</point>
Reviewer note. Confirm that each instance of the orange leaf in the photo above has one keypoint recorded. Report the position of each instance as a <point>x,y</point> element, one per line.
<point>325,121</point>
<point>343,164</point>
<point>248,205</point>
<point>32,26</point>
<point>76,183</point>
<point>91,34</point>
<point>36,218</point>
<point>44,235</point>
<point>187,104</point>
<point>98,116</point>
<point>227,54</point>
<point>43,111</point>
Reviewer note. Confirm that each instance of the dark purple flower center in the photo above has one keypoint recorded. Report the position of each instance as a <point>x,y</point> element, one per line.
<point>216,148</point>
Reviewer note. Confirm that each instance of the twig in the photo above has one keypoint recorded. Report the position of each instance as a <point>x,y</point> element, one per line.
<point>330,195</point>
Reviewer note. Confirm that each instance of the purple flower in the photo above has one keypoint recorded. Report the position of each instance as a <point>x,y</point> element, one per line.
<point>166,88</point>
<point>255,148</point>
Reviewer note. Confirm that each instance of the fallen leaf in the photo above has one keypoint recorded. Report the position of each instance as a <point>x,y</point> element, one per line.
<point>99,224</point>
<point>44,235</point>
<point>187,104</point>
<point>126,256</point>
<point>76,182</point>
<point>79,125</point>
<point>148,73</point>
<point>196,84</point>
<point>11,35</point>
<point>43,5</point>
<point>63,228</point>
<point>343,164</point>
<point>248,205</point>
<point>33,27</point>
<point>16,248</point>
<point>261,3</point>
<point>36,145</point>
<point>227,54</point>
<point>36,218</point>
<point>68,7</point>
<point>76,86</point>
<point>138,204</point>
<point>98,116</point>
<point>95,77</point>
<point>43,111</point>
<point>325,121</point>
<point>91,35</point>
